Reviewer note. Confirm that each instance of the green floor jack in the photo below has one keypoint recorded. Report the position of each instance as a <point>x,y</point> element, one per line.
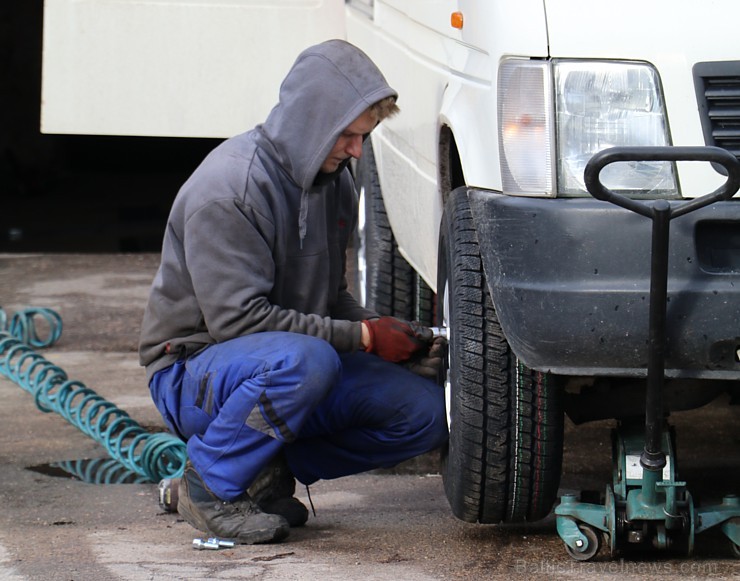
<point>645,505</point>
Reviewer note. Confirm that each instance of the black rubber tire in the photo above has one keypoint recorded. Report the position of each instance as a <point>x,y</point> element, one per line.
<point>504,454</point>
<point>392,287</point>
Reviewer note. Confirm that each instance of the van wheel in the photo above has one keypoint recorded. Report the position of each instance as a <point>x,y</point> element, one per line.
<point>503,459</point>
<point>388,284</point>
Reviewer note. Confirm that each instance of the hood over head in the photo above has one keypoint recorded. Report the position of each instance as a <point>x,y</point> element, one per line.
<point>328,87</point>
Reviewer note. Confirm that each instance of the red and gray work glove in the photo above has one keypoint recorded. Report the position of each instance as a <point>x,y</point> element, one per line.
<point>429,364</point>
<point>396,340</point>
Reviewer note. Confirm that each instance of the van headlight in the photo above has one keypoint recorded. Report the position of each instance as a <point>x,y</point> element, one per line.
<point>593,105</point>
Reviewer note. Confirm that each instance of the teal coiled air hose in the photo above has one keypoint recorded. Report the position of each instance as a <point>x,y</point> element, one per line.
<point>154,456</point>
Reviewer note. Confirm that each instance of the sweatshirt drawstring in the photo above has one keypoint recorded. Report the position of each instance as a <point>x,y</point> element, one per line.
<point>303,217</point>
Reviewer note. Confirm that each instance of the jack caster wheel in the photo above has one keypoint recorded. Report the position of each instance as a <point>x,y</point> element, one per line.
<point>592,546</point>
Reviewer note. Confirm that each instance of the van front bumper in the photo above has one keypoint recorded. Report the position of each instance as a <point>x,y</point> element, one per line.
<point>570,280</point>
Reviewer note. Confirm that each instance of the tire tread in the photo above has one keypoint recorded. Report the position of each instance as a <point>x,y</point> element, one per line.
<point>503,459</point>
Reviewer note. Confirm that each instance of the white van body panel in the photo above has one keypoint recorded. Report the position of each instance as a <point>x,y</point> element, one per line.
<point>175,68</point>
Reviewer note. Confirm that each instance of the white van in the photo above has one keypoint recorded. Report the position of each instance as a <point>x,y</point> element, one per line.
<point>544,289</point>
<point>476,215</point>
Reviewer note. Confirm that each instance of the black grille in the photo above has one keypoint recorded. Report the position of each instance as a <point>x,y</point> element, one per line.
<point>718,94</point>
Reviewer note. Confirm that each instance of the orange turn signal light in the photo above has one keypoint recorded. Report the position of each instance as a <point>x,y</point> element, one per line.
<point>456,20</point>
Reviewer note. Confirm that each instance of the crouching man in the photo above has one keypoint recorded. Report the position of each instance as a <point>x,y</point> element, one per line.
<point>256,353</point>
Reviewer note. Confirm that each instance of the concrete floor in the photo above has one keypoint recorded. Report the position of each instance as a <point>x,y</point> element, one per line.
<point>373,526</point>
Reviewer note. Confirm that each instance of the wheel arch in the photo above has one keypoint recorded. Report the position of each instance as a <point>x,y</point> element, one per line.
<point>450,170</point>
<point>468,136</point>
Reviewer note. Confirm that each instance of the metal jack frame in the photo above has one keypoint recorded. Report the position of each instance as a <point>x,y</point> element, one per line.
<point>646,505</point>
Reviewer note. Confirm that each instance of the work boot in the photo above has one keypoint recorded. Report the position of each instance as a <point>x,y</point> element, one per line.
<point>273,491</point>
<point>240,519</point>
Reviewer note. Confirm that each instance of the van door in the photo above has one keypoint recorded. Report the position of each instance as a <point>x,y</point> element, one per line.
<point>175,68</point>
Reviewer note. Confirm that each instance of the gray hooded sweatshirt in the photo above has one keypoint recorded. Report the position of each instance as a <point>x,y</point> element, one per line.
<point>256,237</point>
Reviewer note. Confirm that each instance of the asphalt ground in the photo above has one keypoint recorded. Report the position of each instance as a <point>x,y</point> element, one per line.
<point>393,525</point>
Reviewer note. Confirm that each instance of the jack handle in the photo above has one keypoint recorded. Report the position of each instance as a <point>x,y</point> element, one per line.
<point>661,212</point>
<point>662,153</point>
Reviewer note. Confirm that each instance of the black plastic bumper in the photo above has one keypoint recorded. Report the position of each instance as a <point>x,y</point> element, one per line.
<point>570,279</point>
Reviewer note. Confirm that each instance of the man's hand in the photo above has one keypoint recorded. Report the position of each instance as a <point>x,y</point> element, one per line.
<point>396,340</point>
<point>429,365</point>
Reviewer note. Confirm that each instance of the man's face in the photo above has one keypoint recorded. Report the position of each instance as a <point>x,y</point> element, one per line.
<point>349,143</point>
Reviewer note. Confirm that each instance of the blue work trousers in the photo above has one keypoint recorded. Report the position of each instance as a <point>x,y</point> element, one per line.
<point>238,403</point>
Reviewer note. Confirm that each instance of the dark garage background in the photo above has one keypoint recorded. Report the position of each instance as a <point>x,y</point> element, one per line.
<point>65,193</point>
